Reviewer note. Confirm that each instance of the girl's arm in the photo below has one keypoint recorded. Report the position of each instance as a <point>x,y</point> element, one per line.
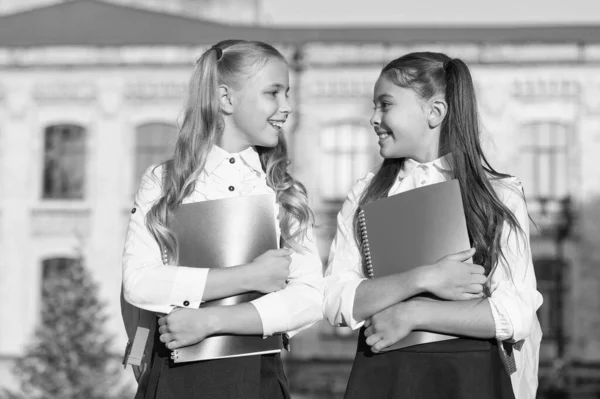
<point>150,285</point>
<point>289,310</point>
<point>507,314</point>
<point>449,278</point>
<point>471,318</point>
<point>350,298</point>
<point>185,327</point>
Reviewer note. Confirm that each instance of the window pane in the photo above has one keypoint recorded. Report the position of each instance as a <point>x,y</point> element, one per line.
<point>544,162</point>
<point>64,162</point>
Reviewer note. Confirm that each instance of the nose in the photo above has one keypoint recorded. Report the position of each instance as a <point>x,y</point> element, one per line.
<point>375,118</point>
<point>285,107</point>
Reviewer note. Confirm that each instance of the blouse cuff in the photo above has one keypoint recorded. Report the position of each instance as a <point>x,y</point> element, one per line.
<point>271,311</point>
<point>348,304</point>
<point>188,286</point>
<point>504,327</point>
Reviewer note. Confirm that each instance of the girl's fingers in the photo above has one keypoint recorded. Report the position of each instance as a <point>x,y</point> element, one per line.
<point>478,279</point>
<point>461,256</point>
<point>475,289</point>
<point>373,339</point>
<point>163,329</point>
<point>379,346</point>
<point>368,322</point>
<point>369,331</point>
<point>164,338</point>
<point>173,345</point>
<point>476,269</point>
<point>472,296</point>
<point>162,321</point>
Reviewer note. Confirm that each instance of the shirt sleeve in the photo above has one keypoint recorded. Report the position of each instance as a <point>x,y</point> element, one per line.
<point>298,305</point>
<point>344,270</point>
<point>514,297</point>
<point>147,283</point>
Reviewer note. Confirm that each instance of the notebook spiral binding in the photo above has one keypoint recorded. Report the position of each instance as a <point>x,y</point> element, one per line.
<point>362,224</point>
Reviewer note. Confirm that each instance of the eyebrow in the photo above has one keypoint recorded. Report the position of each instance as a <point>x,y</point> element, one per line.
<point>381,96</point>
<point>278,86</point>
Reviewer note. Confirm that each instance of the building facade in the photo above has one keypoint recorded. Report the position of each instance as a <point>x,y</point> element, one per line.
<point>83,112</point>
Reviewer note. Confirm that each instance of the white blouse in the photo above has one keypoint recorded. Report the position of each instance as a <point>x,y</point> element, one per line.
<point>514,298</point>
<point>150,285</point>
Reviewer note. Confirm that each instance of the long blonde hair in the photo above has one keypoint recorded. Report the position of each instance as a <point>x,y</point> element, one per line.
<point>228,62</point>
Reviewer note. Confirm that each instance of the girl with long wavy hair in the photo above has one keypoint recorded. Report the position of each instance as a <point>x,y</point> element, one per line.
<point>425,118</point>
<point>230,143</point>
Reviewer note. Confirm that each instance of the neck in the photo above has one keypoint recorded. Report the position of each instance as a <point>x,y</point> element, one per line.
<point>230,141</point>
<point>430,151</point>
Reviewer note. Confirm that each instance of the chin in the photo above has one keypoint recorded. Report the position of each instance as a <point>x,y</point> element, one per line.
<point>386,153</point>
<point>270,143</point>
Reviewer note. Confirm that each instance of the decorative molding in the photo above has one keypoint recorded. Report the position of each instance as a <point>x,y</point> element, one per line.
<point>110,100</point>
<point>339,87</point>
<point>312,54</point>
<point>527,53</point>
<point>148,91</point>
<point>64,92</point>
<point>536,89</point>
<point>53,56</point>
<point>60,222</point>
<point>18,103</point>
<point>344,53</point>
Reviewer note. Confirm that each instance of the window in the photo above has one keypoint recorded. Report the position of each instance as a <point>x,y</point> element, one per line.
<point>64,162</point>
<point>545,166</point>
<point>347,156</point>
<point>154,144</point>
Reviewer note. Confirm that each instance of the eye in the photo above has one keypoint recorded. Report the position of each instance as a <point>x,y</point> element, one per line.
<point>273,93</point>
<point>382,106</point>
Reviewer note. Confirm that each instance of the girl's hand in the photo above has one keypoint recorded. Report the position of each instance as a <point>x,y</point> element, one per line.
<point>269,271</point>
<point>389,326</point>
<point>185,327</point>
<point>453,279</point>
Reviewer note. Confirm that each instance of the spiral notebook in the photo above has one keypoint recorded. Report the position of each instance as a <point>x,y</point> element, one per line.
<point>223,233</point>
<point>410,229</point>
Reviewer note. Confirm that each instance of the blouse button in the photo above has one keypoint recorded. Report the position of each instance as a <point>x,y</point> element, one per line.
<point>232,160</point>
<point>133,210</point>
<point>186,303</point>
<point>231,188</point>
<point>423,181</point>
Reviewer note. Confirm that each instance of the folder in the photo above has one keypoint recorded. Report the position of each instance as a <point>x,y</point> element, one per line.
<point>223,233</point>
<point>414,228</point>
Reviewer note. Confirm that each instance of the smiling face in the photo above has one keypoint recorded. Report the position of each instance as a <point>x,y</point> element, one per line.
<point>400,121</point>
<point>259,108</point>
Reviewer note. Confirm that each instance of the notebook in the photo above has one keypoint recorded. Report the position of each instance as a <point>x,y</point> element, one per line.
<point>410,229</point>
<point>223,233</point>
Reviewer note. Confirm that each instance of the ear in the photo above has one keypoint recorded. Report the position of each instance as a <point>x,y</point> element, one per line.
<point>437,111</point>
<point>225,103</point>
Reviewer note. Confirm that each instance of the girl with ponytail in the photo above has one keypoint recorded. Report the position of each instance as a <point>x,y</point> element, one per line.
<point>230,143</point>
<point>425,117</point>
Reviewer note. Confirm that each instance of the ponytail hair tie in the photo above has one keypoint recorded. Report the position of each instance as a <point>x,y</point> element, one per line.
<point>218,50</point>
<point>446,63</point>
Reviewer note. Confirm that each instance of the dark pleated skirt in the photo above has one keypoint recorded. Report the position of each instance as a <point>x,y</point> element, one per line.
<point>248,377</point>
<point>462,368</point>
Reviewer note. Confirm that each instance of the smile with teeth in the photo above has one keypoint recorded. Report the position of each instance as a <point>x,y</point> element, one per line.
<point>276,124</point>
<point>383,135</point>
